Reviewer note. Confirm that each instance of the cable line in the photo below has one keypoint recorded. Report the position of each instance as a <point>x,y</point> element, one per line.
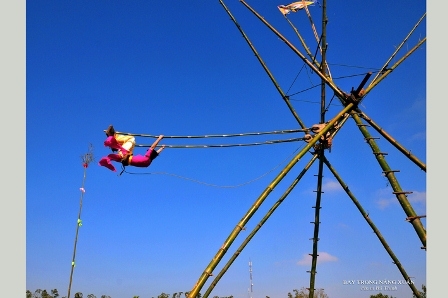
<point>228,145</point>
<point>216,135</point>
<point>210,184</point>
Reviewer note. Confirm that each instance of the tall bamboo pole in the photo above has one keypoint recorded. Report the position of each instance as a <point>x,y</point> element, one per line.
<point>217,258</point>
<point>86,159</point>
<point>328,81</point>
<point>398,48</point>
<point>389,70</point>
<point>321,153</point>
<point>285,98</point>
<point>258,227</point>
<point>373,226</point>
<point>388,137</point>
<point>397,190</point>
<point>302,41</point>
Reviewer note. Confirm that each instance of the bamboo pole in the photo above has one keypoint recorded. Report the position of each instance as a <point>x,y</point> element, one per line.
<point>398,48</point>
<point>258,227</point>
<point>285,98</point>
<point>302,41</point>
<point>389,70</point>
<point>400,194</point>
<point>223,249</point>
<point>330,83</point>
<point>397,145</point>
<point>321,154</point>
<point>86,159</point>
<point>373,226</point>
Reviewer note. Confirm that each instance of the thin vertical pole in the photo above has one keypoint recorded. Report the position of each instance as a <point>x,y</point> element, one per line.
<point>86,159</point>
<point>321,153</point>
<point>258,227</point>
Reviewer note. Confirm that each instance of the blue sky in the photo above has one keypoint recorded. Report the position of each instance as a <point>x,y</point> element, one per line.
<point>149,68</point>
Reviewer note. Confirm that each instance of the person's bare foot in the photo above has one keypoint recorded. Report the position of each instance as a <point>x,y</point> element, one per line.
<point>160,150</point>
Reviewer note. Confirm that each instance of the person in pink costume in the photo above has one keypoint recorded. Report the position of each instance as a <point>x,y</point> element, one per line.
<point>125,145</point>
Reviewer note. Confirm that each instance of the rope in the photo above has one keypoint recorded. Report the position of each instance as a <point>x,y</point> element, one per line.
<point>229,145</point>
<point>216,136</point>
<point>210,184</point>
<point>315,35</point>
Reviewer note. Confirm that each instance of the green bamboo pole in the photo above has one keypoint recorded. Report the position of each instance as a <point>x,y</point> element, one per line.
<point>302,41</point>
<point>389,70</point>
<point>285,98</point>
<point>398,48</point>
<point>86,159</point>
<point>330,83</point>
<point>373,226</point>
<point>316,222</point>
<point>321,154</point>
<point>217,258</point>
<point>400,194</point>
<point>388,137</point>
<point>258,227</point>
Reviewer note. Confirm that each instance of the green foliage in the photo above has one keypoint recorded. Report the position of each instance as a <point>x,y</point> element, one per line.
<point>422,293</point>
<point>304,293</point>
<point>55,293</point>
<point>380,295</point>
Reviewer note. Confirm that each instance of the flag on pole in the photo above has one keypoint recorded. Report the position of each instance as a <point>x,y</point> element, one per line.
<point>293,7</point>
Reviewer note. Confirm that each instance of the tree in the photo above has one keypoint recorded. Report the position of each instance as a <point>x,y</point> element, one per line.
<point>380,295</point>
<point>422,294</point>
<point>78,295</point>
<point>304,293</point>
<point>55,293</point>
<point>164,295</point>
<point>91,296</point>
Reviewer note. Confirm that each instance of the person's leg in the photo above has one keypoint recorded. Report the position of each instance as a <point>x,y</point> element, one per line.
<point>161,148</point>
<point>145,161</point>
<point>154,145</point>
<point>105,161</point>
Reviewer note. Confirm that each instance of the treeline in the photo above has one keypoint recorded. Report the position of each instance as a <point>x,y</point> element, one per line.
<point>39,293</point>
<point>302,293</point>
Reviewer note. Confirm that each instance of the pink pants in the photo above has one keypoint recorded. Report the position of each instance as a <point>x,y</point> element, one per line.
<point>141,161</point>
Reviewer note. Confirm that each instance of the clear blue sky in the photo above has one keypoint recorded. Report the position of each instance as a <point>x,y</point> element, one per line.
<point>184,69</point>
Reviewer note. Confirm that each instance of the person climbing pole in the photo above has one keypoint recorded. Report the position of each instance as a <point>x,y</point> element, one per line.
<point>125,145</point>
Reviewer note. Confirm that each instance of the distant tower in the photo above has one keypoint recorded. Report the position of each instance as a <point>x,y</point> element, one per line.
<point>250,274</point>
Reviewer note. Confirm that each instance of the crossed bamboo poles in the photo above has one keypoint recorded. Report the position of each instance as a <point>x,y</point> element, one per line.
<point>351,109</point>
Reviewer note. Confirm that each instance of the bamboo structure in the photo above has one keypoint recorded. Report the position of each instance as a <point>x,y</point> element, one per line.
<point>317,145</point>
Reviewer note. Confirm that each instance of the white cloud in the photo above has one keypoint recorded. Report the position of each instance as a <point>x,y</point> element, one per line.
<point>323,257</point>
<point>417,197</point>
<point>418,136</point>
<point>386,198</point>
<point>331,185</point>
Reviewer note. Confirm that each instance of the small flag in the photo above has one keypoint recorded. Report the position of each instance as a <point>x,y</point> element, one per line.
<point>293,7</point>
